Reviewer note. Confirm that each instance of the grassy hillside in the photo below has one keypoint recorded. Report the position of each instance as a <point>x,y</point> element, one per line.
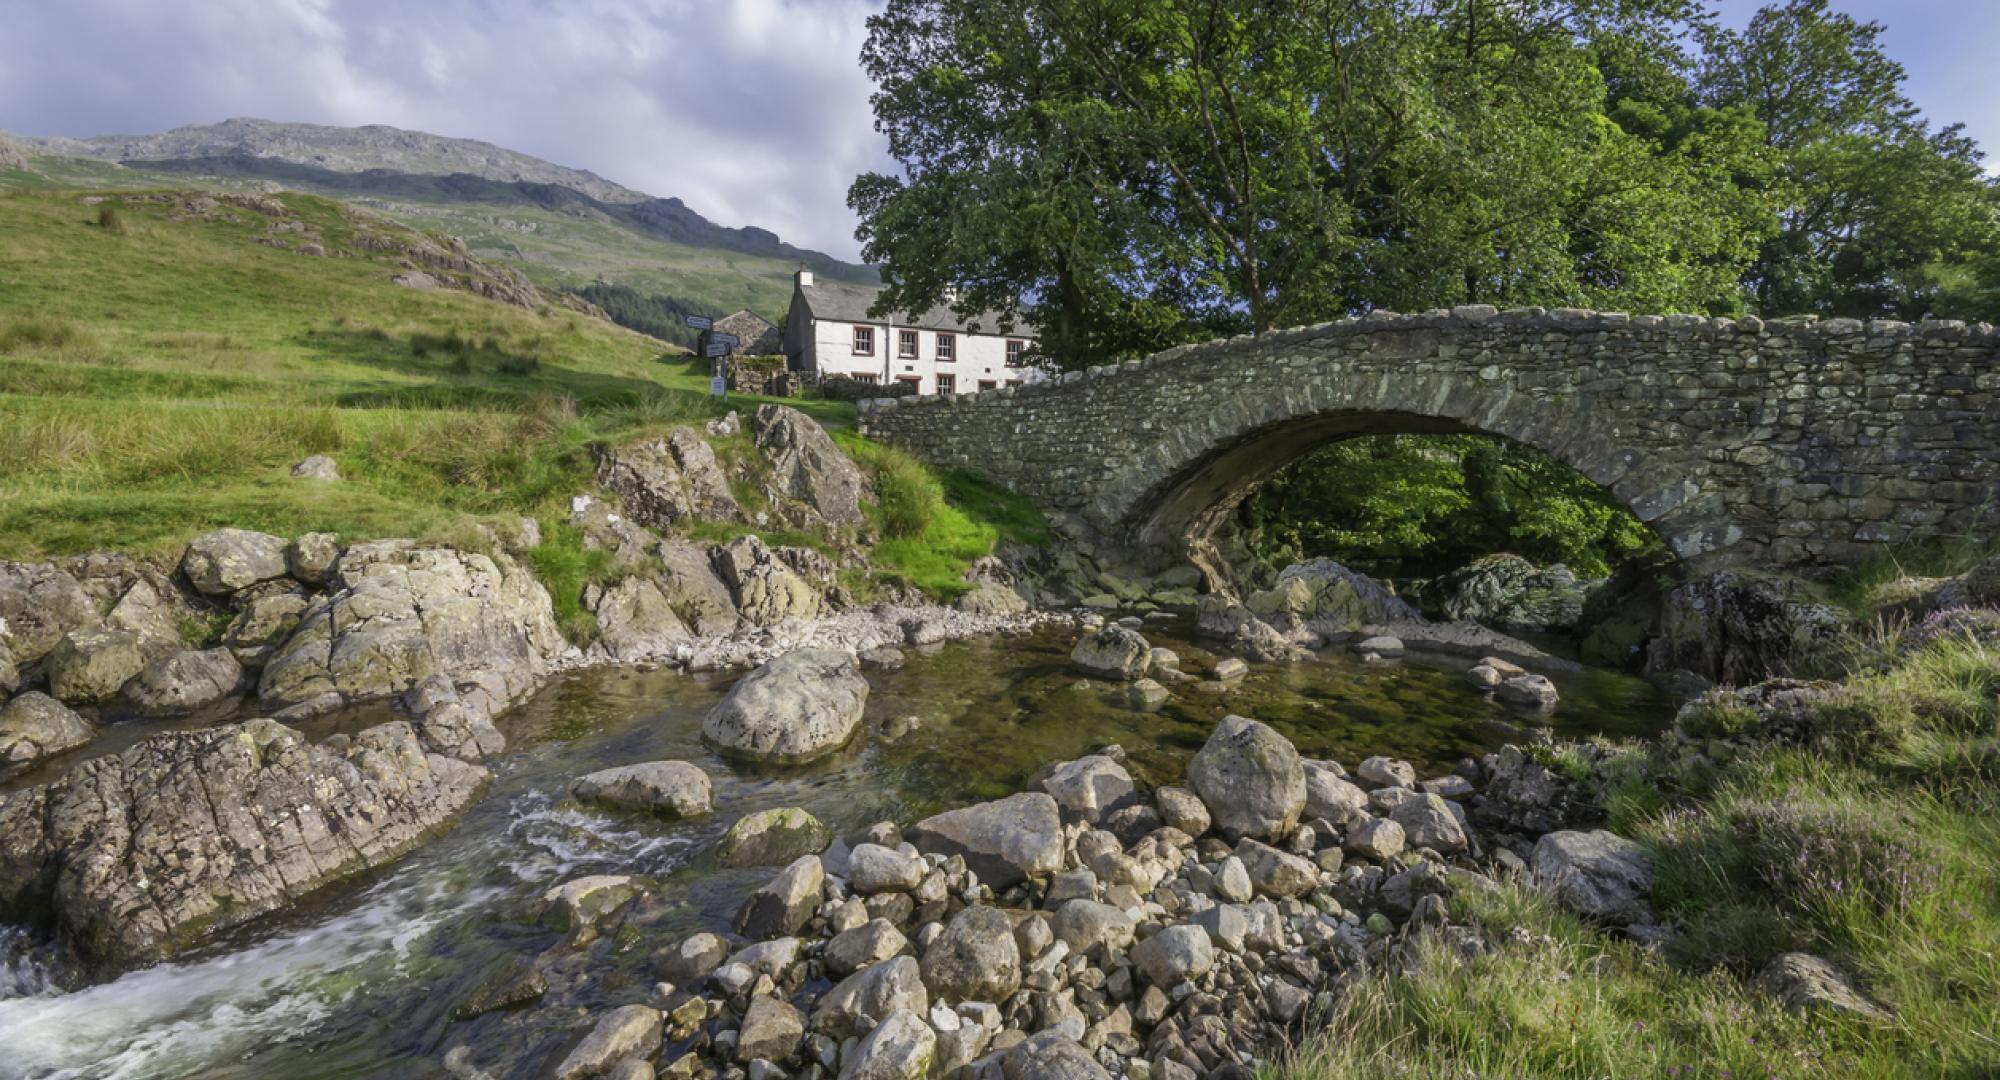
<point>559,238</point>
<point>160,373</point>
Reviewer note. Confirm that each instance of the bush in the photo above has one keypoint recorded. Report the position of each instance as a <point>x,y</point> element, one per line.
<point>110,220</point>
<point>908,496</point>
<point>843,388</point>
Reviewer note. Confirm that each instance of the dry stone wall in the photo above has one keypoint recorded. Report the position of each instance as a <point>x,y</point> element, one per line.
<point>1793,443</point>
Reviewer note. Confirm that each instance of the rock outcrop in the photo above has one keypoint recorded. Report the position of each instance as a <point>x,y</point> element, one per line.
<point>403,612</point>
<point>39,603</point>
<point>1735,628</point>
<point>135,855</point>
<point>799,707</point>
<point>765,587</point>
<point>1322,597</point>
<point>668,480</point>
<point>807,469</point>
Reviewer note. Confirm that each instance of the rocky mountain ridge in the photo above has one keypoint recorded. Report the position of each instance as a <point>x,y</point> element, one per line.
<point>342,149</point>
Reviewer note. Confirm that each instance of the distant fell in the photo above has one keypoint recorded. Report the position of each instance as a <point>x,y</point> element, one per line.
<point>340,149</point>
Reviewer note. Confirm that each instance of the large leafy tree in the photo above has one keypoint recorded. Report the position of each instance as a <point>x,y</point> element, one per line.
<point>1882,215</point>
<point>1126,176</point>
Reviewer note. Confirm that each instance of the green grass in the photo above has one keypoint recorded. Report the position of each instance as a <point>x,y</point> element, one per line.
<point>933,528</point>
<point>1881,580</point>
<point>1869,836</point>
<point>162,381</point>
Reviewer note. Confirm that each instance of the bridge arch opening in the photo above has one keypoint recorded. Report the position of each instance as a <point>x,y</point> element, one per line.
<point>1197,512</point>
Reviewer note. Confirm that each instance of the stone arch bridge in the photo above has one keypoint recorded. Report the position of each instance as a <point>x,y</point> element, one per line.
<point>1794,443</point>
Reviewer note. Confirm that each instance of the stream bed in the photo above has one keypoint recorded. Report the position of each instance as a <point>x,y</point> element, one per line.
<point>370,978</point>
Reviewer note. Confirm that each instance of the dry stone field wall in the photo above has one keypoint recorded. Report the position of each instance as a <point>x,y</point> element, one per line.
<point>1792,443</point>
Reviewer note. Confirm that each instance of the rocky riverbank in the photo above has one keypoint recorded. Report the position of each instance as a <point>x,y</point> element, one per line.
<point>1086,928</point>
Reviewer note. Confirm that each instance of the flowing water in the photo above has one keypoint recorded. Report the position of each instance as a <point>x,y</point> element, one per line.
<point>368,980</point>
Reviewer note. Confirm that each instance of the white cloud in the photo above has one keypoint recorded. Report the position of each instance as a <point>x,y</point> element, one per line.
<point>752,111</point>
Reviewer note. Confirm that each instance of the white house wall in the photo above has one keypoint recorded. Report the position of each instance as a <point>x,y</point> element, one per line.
<point>981,358</point>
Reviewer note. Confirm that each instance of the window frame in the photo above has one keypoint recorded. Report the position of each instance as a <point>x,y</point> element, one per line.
<point>1016,349</point>
<point>855,341</point>
<point>943,379</point>
<point>914,340</point>
<point>947,348</point>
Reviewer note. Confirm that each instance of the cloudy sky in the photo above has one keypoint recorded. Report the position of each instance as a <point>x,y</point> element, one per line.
<point>753,111</point>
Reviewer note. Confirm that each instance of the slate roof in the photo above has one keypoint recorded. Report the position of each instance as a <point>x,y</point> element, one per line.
<point>849,303</point>
<point>759,337</point>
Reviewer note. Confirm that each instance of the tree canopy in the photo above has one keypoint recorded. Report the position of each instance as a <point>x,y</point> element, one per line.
<point>1126,177</point>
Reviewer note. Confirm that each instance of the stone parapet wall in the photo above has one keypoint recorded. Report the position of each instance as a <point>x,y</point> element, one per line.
<point>1796,443</point>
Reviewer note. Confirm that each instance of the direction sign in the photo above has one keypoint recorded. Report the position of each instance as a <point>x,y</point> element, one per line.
<point>700,322</point>
<point>726,339</point>
<point>716,348</point>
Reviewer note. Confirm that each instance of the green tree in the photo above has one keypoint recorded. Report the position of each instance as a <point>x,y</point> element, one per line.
<point>1882,216</point>
<point>1191,166</point>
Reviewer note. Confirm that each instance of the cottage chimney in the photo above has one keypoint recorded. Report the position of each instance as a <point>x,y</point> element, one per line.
<point>805,277</point>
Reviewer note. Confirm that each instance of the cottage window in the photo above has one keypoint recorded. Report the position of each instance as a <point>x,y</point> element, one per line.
<point>987,384</point>
<point>906,344</point>
<point>864,341</point>
<point>947,384</point>
<point>869,377</point>
<point>1015,347</point>
<point>947,348</point>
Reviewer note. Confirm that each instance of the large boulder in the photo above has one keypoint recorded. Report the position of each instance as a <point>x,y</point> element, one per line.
<point>228,560</point>
<point>1597,874</point>
<point>1511,593</point>
<point>806,467</point>
<point>137,854</point>
<point>1174,955</point>
<point>668,788</point>
<point>635,621</point>
<point>403,613</point>
<point>901,1047</point>
<point>771,1030</point>
<point>1005,842</point>
<point>1250,778</point>
<point>974,959</point>
<point>1114,652</point>
<point>185,683</point>
<point>39,604</point>
<point>91,667</point>
<point>34,727</point>
<point>663,481</point>
<point>1090,789</point>
<point>628,1031</point>
<point>763,586</point>
<point>799,707</point>
<point>1323,597</point>
<point>1242,631</point>
<point>1735,628</point>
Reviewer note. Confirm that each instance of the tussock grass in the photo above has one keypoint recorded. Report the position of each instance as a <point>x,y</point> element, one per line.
<point>1869,835</point>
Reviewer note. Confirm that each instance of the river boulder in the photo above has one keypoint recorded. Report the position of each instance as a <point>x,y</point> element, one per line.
<point>1089,789</point>
<point>1323,597</point>
<point>974,959</point>
<point>35,726</point>
<point>1005,841</point>
<point>1509,592</point>
<point>90,667</point>
<point>404,612</point>
<point>801,706</point>
<point>1250,778</point>
<point>635,621</point>
<point>1114,652</point>
<point>140,853</point>
<point>668,788</point>
<point>772,837</point>
<point>224,561</point>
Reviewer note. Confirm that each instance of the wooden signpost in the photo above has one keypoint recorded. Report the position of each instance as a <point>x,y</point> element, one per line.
<point>716,348</point>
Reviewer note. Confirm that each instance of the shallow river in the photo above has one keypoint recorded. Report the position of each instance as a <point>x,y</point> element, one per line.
<point>364,982</point>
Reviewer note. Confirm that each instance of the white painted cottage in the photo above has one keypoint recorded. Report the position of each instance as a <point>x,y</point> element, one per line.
<point>829,332</point>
